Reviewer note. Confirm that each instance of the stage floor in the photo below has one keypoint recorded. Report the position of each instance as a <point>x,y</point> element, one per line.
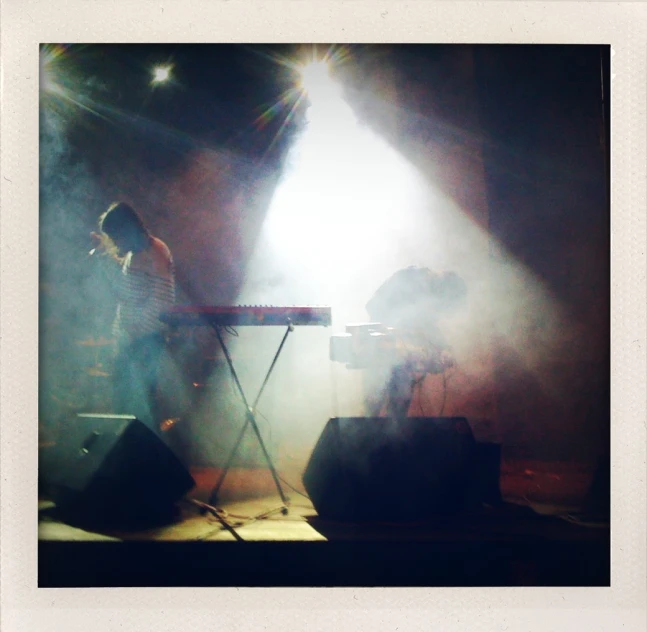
<point>536,544</point>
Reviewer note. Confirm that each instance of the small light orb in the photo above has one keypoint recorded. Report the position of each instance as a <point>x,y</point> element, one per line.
<point>161,74</point>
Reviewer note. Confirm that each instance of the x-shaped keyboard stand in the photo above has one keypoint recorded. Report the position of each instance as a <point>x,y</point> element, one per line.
<point>250,419</point>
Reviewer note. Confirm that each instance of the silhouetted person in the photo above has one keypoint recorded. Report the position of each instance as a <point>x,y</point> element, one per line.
<point>144,283</point>
<point>411,301</point>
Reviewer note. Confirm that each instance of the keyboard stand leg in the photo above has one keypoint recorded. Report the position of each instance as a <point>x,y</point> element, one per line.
<point>250,419</point>
<point>213,498</point>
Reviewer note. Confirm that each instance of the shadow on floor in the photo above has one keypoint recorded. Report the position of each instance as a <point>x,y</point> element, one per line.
<point>506,546</point>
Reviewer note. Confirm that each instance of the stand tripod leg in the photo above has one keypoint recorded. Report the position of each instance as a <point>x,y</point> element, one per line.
<point>290,328</point>
<point>249,418</point>
<point>275,476</point>
<point>213,498</point>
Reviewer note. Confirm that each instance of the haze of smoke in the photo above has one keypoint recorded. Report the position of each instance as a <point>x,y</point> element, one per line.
<point>72,298</point>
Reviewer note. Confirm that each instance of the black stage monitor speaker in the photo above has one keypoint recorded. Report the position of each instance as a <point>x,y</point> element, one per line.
<point>389,470</point>
<point>112,469</point>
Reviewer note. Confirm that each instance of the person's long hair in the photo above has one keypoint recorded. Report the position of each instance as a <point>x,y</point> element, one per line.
<point>123,230</point>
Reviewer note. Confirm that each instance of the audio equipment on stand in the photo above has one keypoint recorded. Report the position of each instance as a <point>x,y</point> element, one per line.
<point>365,345</point>
<point>219,317</point>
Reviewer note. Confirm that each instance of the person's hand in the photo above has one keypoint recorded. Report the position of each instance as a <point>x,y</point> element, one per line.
<point>97,243</point>
<point>100,246</point>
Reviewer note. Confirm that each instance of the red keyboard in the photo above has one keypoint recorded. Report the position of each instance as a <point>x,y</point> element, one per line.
<point>246,315</point>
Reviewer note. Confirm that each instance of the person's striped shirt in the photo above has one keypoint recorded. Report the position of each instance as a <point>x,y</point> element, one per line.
<point>146,289</point>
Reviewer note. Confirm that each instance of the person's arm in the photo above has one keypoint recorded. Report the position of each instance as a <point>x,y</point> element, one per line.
<point>163,287</point>
<point>105,256</point>
<point>148,289</point>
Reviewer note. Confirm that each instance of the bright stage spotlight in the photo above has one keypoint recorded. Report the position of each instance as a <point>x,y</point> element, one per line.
<point>315,76</point>
<point>161,74</point>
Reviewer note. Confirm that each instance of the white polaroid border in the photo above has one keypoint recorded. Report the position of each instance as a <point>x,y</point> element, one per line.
<point>26,23</point>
